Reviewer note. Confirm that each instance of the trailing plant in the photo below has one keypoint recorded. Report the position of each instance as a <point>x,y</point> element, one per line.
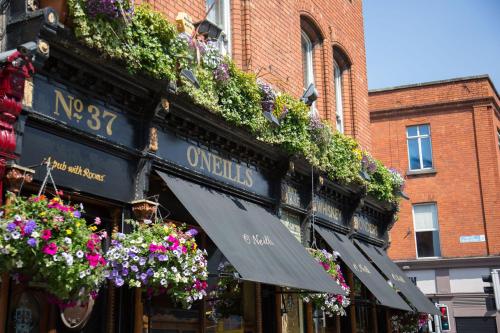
<point>225,298</point>
<point>48,242</point>
<point>161,258</point>
<point>330,304</point>
<point>147,43</point>
<point>408,322</point>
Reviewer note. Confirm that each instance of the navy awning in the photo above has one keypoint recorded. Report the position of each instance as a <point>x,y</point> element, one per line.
<point>398,278</point>
<point>252,239</point>
<point>364,271</point>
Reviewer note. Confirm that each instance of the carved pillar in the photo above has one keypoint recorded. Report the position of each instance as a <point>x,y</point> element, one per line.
<point>258,308</point>
<point>110,319</point>
<point>143,210</point>
<point>14,176</point>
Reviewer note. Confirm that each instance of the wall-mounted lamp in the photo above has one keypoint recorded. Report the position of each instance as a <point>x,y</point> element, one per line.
<point>189,75</point>
<point>208,29</point>
<point>310,95</point>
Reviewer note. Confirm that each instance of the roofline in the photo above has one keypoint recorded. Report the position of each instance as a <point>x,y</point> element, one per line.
<point>431,83</point>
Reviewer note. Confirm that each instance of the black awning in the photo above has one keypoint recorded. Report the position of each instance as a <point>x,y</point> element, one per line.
<point>252,239</point>
<point>363,270</point>
<point>398,278</point>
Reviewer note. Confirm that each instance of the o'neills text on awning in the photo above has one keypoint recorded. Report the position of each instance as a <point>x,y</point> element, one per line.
<point>398,278</point>
<point>362,268</point>
<point>252,239</point>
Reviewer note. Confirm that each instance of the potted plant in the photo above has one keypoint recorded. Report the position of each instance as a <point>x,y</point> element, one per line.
<point>47,243</point>
<point>330,304</point>
<point>160,258</point>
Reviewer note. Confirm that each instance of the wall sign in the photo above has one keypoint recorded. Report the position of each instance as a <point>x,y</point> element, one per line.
<point>77,166</point>
<point>89,115</point>
<point>327,210</point>
<point>211,164</point>
<point>472,239</point>
<point>365,225</point>
<point>293,196</point>
<point>292,223</point>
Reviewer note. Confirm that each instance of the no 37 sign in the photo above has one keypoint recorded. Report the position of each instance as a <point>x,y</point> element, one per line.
<point>92,116</point>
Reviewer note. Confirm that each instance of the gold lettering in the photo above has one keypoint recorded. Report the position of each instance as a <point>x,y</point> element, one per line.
<point>95,113</point>
<point>227,169</point>
<point>217,164</point>
<point>249,180</point>
<point>68,109</point>
<point>109,128</point>
<point>192,156</point>
<point>205,160</point>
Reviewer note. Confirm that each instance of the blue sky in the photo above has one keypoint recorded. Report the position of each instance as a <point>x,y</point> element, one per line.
<point>411,41</point>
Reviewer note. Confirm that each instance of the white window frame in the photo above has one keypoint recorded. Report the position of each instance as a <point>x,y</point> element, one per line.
<point>339,107</point>
<point>224,15</point>
<point>424,230</point>
<point>309,74</point>
<point>419,138</point>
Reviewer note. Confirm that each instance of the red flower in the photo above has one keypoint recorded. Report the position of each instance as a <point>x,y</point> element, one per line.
<point>46,234</point>
<point>50,249</point>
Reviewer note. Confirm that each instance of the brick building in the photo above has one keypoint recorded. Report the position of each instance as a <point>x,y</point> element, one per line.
<point>445,137</point>
<point>264,37</point>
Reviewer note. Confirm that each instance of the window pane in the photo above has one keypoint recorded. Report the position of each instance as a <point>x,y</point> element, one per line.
<point>411,131</point>
<point>413,154</point>
<point>424,129</point>
<point>425,244</point>
<point>435,242</point>
<point>425,217</point>
<point>426,152</point>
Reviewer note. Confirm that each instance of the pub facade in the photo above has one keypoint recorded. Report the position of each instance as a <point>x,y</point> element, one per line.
<point>125,144</point>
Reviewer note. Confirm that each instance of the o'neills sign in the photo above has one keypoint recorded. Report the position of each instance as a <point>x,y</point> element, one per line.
<point>211,164</point>
<point>207,161</point>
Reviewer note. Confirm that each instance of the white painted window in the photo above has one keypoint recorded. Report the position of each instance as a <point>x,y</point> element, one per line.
<point>419,147</point>
<point>339,111</point>
<point>220,14</point>
<point>426,230</point>
<point>308,65</point>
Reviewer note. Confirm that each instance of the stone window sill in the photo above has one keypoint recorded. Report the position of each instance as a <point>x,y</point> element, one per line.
<point>421,172</point>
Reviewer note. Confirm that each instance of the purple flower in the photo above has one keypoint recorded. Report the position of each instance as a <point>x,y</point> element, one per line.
<point>125,272</point>
<point>114,273</point>
<point>119,282</point>
<point>109,8</point>
<point>221,72</point>
<point>315,122</point>
<point>142,261</point>
<point>134,268</point>
<point>192,232</point>
<point>162,257</point>
<point>30,227</point>
<point>150,272</point>
<point>144,276</point>
<point>32,242</point>
<point>77,214</point>
<point>268,97</point>
<point>11,227</point>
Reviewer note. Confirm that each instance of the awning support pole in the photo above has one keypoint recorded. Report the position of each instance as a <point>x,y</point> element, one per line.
<point>352,307</point>
<point>258,308</point>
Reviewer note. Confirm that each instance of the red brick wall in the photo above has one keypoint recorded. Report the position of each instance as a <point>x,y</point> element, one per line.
<point>266,40</point>
<point>465,156</point>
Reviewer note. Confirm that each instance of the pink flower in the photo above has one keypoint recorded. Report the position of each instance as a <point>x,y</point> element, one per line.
<point>91,245</point>
<point>93,259</point>
<point>50,249</point>
<point>97,221</point>
<point>157,248</point>
<point>46,234</point>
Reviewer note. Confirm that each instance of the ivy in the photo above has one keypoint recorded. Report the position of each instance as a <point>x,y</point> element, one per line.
<point>147,43</point>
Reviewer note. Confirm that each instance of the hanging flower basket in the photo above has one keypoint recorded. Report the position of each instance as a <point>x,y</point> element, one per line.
<point>225,298</point>
<point>331,304</point>
<point>408,322</point>
<point>161,258</point>
<point>48,244</point>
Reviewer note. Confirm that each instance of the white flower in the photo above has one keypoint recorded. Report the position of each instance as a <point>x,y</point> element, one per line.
<point>163,282</point>
<point>79,254</point>
<point>55,257</point>
<point>67,240</point>
<point>69,260</point>
<point>35,234</point>
<point>19,264</point>
<point>6,237</point>
<point>82,274</point>
<point>174,269</point>
<point>16,234</point>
